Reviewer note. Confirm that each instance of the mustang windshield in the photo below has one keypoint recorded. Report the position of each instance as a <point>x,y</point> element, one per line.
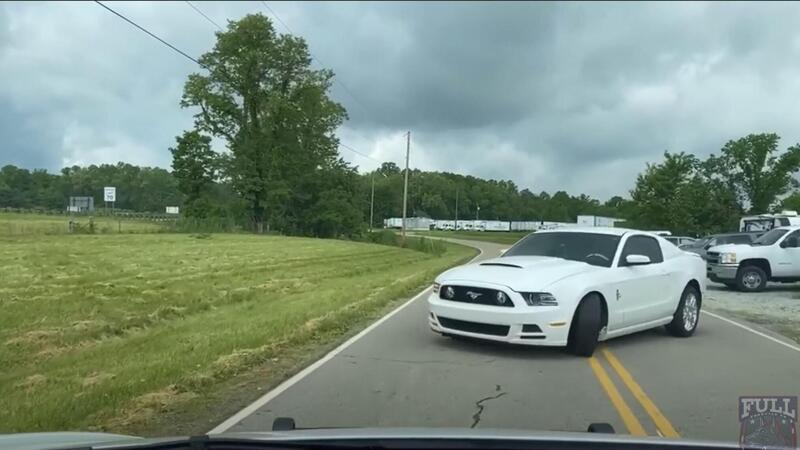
<point>593,248</point>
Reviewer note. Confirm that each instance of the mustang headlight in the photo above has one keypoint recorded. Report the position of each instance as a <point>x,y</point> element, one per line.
<point>436,287</point>
<point>539,299</point>
<point>727,258</point>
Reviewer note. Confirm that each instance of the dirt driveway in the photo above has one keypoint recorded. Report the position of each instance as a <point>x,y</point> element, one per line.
<point>777,308</point>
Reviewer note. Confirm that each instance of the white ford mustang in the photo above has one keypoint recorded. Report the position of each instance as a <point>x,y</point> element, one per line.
<point>572,287</point>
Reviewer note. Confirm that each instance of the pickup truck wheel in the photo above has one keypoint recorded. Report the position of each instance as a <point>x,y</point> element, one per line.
<point>751,279</point>
<point>585,329</point>
<point>685,319</point>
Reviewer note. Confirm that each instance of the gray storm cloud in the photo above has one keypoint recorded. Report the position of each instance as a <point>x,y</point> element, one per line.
<point>552,96</point>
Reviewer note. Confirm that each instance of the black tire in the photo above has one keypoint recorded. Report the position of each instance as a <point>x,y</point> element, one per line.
<point>686,318</point>
<point>751,279</point>
<point>585,328</point>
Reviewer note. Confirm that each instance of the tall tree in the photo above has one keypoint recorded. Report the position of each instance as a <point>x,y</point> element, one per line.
<point>261,96</point>
<point>193,165</point>
<point>752,167</point>
<point>677,195</point>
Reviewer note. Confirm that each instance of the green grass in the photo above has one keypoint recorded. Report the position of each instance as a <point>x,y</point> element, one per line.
<point>13,224</point>
<point>110,331</point>
<point>500,237</point>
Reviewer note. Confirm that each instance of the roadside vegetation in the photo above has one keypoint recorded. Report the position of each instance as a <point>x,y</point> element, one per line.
<point>106,332</point>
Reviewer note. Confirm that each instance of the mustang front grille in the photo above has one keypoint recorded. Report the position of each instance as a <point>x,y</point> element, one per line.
<point>475,295</point>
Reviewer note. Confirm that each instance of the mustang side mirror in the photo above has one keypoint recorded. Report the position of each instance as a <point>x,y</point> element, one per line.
<point>637,260</point>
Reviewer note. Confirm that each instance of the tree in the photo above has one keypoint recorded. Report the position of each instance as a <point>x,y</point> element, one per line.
<point>261,96</point>
<point>193,164</point>
<point>791,202</point>
<point>753,169</point>
<point>678,195</point>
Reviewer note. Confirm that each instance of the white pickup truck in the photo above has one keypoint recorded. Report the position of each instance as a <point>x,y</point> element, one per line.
<point>775,256</point>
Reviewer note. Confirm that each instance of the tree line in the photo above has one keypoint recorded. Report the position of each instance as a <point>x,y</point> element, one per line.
<point>682,193</point>
<point>687,195</point>
<point>147,189</point>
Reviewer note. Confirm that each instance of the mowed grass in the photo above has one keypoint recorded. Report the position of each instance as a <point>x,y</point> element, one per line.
<point>12,224</point>
<point>500,237</point>
<point>106,331</point>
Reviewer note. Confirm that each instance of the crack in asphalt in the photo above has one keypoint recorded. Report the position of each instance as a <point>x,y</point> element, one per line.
<point>476,418</point>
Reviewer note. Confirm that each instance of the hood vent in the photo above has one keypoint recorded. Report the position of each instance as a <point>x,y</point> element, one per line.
<point>501,264</point>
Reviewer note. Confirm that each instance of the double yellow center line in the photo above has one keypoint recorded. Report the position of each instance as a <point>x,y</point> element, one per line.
<point>633,425</point>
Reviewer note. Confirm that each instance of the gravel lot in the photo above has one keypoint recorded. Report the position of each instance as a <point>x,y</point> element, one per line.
<point>777,308</point>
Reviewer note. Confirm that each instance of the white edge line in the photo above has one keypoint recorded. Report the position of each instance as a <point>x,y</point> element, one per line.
<point>266,398</point>
<point>745,327</point>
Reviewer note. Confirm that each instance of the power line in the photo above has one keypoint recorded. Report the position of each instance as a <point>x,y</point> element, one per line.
<point>182,53</point>
<point>335,80</point>
<point>278,18</point>
<point>358,152</point>
<point>203,14</point>
<point>198,62</point>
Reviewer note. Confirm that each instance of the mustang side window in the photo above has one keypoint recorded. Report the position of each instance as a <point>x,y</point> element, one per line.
<point>642,245</point>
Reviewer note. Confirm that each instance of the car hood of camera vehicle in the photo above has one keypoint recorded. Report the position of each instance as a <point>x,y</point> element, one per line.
<point>520,273</point>
<point>373,438</point>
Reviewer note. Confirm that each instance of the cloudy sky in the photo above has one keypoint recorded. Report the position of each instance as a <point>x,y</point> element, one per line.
<point>552,96</point>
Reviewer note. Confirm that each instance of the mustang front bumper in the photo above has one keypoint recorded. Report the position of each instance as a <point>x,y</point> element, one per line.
<point>522,324</point>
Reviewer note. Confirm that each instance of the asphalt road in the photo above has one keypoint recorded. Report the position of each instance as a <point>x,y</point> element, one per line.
<point>400,374</point>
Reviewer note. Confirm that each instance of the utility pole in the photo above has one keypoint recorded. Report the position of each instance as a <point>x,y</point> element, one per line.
<point>455,226</point>
<point>405,184</point>
<point>371,202</point>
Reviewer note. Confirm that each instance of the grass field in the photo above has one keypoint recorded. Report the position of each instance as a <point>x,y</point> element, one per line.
<point>486,236</point>
<point>110,331</point>
<point>12,224</point>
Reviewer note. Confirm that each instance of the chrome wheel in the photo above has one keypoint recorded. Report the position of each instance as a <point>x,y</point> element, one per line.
<point>690,311</point>
<point>751,280</point>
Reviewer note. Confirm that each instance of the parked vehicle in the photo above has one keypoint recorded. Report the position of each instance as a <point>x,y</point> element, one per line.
<point>680,240</point>
<point>496,225</point>
<point>765,222</point>
<point>572,288</point>
<point>597,221</point>
<point>700,246</point>
<point>774,256</point>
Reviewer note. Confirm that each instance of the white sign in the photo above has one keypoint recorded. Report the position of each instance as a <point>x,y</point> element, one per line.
<point>173,210</point>
<point>110,194</point>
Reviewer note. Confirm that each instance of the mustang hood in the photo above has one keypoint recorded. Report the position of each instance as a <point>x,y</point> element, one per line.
<point>520,273</point>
